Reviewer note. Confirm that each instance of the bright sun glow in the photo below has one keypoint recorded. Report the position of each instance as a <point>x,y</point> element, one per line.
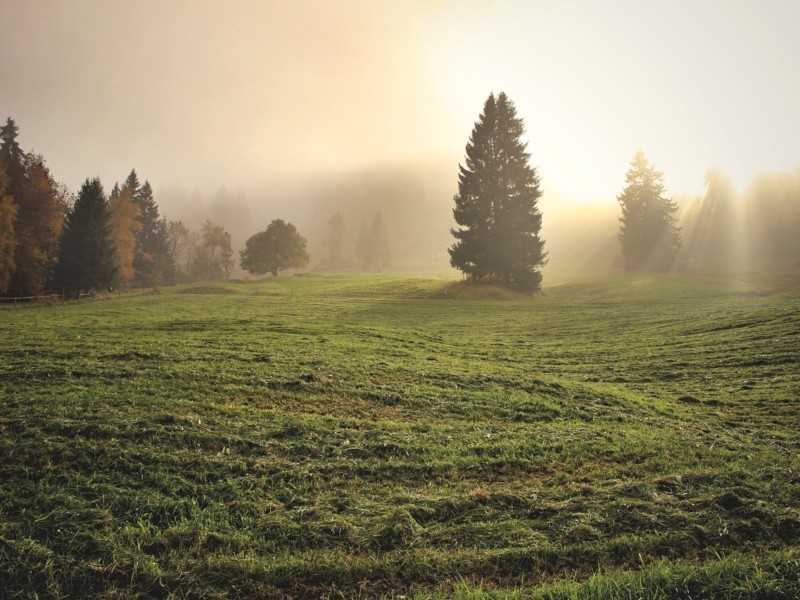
<point>245,92</point>
<point>707,87</point>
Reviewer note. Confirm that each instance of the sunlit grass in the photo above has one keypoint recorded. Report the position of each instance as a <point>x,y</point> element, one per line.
<point>379,435</point>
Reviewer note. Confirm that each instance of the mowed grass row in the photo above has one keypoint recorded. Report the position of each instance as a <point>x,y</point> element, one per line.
<point>351,435</point>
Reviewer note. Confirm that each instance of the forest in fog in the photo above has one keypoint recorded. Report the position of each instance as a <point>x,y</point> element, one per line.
<point>371,220</point>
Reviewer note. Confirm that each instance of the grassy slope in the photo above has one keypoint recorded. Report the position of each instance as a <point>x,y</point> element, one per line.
<point>368,435</point>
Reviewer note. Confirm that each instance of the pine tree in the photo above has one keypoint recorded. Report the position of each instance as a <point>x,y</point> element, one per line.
<point>86,257</point>
<point>151,243</point>
<point>648,235</point>
<point>496,204</point>
<point>132,183</point>
<point>11,155</point>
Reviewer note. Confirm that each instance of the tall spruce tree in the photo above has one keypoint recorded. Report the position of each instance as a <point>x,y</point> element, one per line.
<point>86,258</point>
<point>11,155</point>
<point>649,237</point>
<point>496,204</point>
<point>150,261</point>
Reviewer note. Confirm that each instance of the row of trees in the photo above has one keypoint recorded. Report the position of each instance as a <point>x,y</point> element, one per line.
<point>32,210</point>
<point>51,241</point>
<point>47,242</point>
<point>101,243</point>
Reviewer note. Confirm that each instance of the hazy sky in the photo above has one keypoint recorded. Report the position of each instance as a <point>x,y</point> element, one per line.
<point>201,93</point>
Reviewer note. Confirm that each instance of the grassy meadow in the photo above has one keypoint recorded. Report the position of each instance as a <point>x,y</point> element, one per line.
<point>398,437</point>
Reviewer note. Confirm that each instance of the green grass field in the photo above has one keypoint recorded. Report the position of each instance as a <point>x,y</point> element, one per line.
<point>386,436</point>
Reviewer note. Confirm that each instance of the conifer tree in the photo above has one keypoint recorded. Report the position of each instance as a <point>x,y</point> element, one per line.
<point>132,183</point>
<point>86,257</point>
<point>648,235</point>
<point>496,204</point>
<point>11,155</point>
<point>151,243</point>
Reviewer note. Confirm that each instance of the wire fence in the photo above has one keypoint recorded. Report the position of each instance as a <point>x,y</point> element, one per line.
<point>31,299</point>
<point>52,298</point>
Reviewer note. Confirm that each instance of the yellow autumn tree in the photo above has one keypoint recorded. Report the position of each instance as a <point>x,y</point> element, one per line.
<point>8,238</point>
<point>124,224</point>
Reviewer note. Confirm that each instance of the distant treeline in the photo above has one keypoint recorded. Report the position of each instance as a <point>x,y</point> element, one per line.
<point>54,242</point>
<point>48,245</point>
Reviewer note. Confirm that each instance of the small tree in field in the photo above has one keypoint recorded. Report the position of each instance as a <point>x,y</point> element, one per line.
<point>496,204</point>
<point>278,247</point>
<point>648,235</point>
